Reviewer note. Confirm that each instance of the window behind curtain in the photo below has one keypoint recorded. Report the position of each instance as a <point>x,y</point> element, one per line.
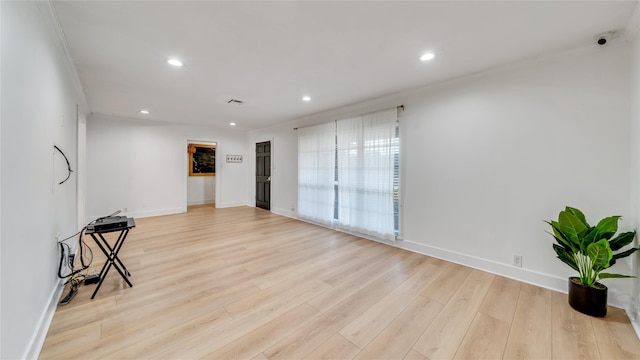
<point>364,161</point>
<point>316,172</point>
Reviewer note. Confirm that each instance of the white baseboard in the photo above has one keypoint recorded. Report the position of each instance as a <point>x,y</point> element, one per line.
<point>615,298</point>
<point>528,276</point>
<point>230,204</point>
<point>200,202</point>
<point>150,213</point>
<point>142,214</point>
<point>42,328</point>
<point>506,270</point>
<point>287,213</point>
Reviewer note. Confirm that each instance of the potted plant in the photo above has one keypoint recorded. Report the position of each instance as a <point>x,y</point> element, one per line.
<point>589,250</point>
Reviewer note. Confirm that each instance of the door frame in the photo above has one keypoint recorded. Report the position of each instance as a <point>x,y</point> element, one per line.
<point>185,169</point>
<point>273,167</point>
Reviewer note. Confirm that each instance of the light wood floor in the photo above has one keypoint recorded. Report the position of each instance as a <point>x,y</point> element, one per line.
<point>243,283</point>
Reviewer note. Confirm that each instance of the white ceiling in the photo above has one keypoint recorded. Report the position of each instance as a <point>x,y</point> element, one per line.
<point>270,54</point>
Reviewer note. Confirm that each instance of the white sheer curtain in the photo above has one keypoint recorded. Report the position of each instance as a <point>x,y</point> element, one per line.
<point>367,150</point>
<point>316,172</point>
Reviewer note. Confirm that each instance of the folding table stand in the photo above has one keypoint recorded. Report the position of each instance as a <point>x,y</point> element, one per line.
<point>111,252</point>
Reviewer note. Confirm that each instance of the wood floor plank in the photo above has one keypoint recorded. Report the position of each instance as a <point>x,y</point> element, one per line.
<point>315,264</point>
<point>444,335</point>
<point>398,338</point>
<point>187,308</point>
<point>485,339</point>
<point>572,337</point>
<point>271,296</point>
<point>414,355</point>
<point>530,335</point>
<point>616,338</point>
<point>355,281</point>
<point>66,320</point>
<point>336,348</point>
<point>165,341</point>
<point>305,340</point>
<point>254,342</point>
<point>245,283</point>
<point>260,356</point>
<point>57,345</point>
<point>201,344</point>
<point>447,283</point>
<point>368,325</point>
<point>501,299</point>
<point>134,341</point>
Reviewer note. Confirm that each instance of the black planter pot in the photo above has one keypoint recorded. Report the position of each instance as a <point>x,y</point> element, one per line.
<point>588,300</point>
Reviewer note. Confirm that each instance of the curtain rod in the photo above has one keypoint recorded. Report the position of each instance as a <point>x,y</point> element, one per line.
<point>399,108</point>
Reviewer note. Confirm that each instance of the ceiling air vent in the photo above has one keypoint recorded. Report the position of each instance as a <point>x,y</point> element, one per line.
<point>235,102</point>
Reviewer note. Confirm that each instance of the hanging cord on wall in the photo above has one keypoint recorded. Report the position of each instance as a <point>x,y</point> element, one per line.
<point>68,165</point>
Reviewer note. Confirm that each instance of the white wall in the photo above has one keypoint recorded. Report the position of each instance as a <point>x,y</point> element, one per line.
<point>39,97</point>
<point>633,36</point>
<point>284,167</point>
<point>504,151</point>
<point>1,311</point>
<point>201,190</point>
<point>487,158</point>
<point>143,166</point>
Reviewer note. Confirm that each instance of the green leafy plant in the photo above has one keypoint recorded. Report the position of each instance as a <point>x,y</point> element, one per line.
<point>589,249</point>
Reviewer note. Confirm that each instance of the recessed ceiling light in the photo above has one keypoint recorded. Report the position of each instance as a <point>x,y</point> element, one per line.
<point>232,124</point>
<point>175,62</point>
<point>144,112</point>
<point>306,98</point>
<point>427,57</point>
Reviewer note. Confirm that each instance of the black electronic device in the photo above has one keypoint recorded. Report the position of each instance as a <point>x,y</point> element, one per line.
<point>72,292</point>
<point>91,279</point>
<point>109,223</point>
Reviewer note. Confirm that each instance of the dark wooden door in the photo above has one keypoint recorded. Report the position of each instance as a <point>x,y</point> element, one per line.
<point>263,175</point>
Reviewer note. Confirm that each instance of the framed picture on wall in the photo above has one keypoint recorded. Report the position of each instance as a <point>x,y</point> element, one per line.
<point>202,159</point>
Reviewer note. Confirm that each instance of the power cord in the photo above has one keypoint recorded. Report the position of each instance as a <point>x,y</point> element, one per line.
<point>68,165</point>
<point>74,275</point>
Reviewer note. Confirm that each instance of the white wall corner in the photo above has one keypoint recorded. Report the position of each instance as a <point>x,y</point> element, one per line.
<point>42,328</point>
<point>0,173</point>
<point>626,302</point>
<point>632,32</point>
<point>633,312</point>
<point>632,27</point>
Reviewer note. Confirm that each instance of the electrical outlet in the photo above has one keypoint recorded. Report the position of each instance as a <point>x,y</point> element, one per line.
<point>517,260</point>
